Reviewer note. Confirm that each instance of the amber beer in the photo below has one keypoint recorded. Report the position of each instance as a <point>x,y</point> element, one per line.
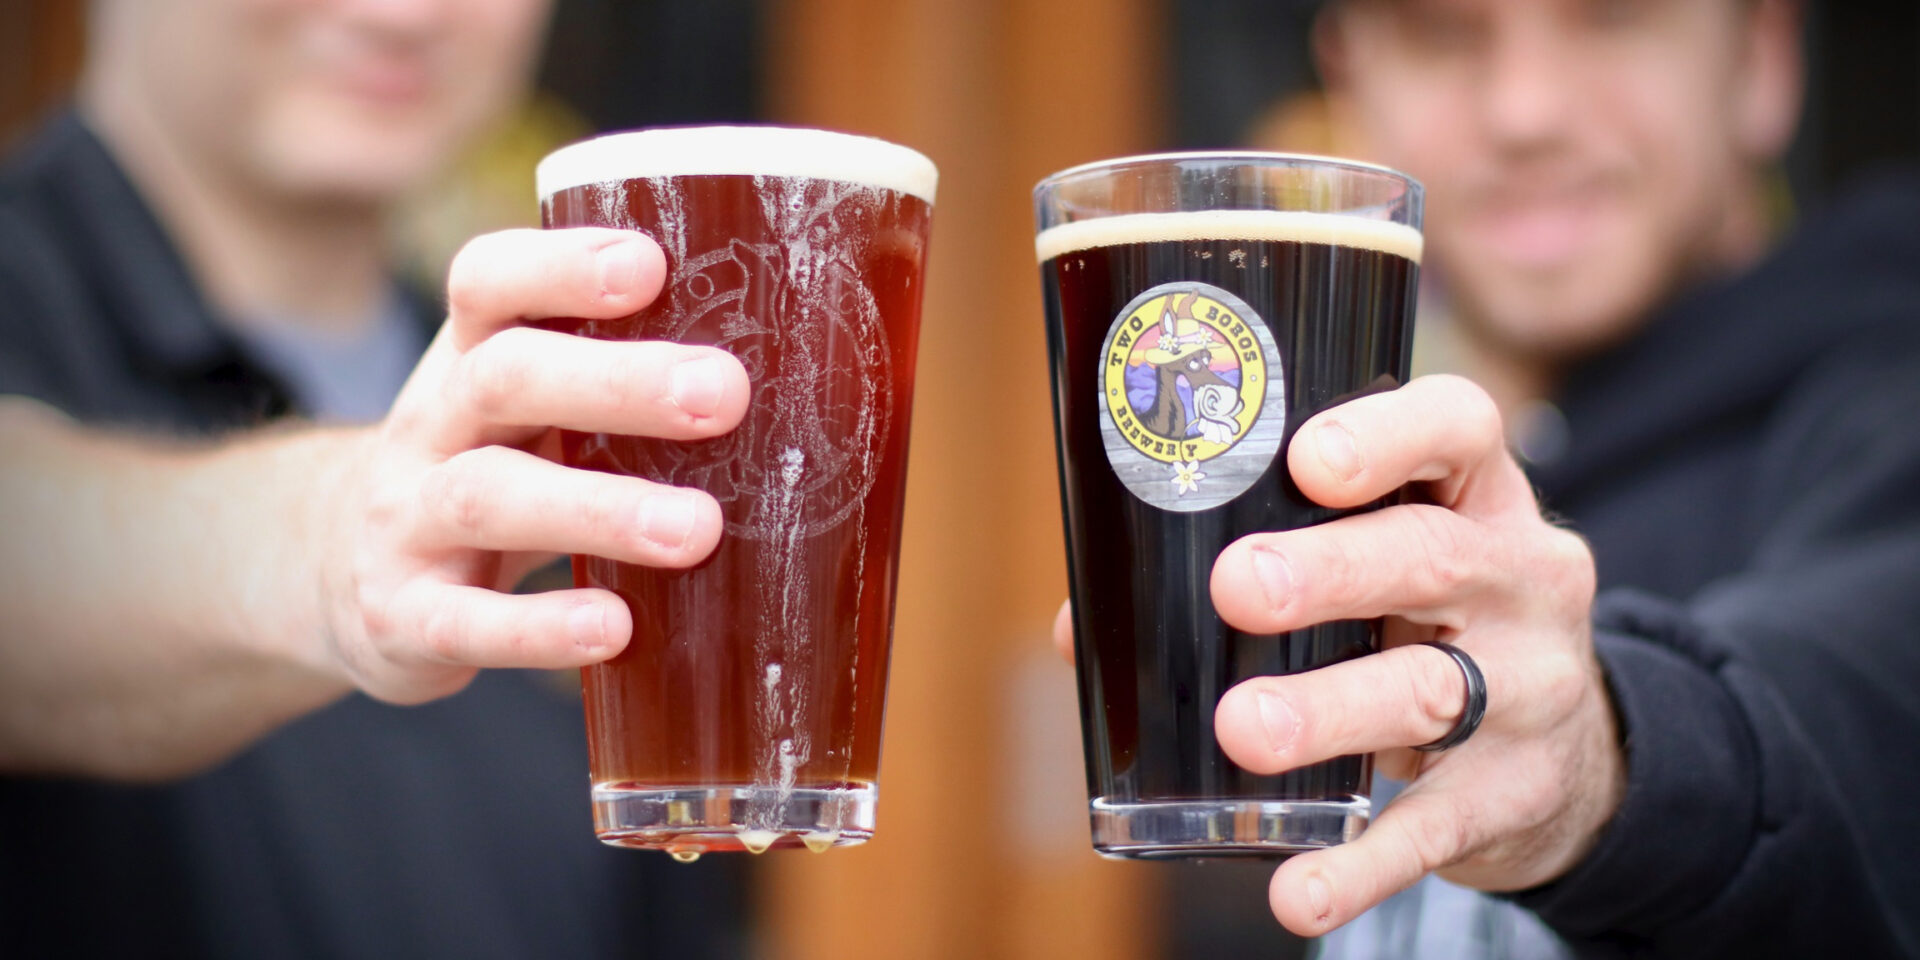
<point>745,713</point>
<point>1186,346</point>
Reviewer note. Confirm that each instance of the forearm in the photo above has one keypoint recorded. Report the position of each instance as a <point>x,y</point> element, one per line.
<point>1749,826</point>
<point>161,606</point>
<point>1772,739</point>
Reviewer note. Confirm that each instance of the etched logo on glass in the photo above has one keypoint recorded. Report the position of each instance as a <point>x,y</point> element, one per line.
<point>804,324</point>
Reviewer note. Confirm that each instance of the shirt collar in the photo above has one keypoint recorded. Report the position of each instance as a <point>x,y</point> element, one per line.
<point>126,254</point>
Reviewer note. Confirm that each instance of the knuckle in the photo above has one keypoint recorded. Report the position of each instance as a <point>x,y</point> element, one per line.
<point>375,605</point>
<point>493,375</point>
<point>443,633</point>
<point>1441,838</point>
<point>1575,577</point>
<point>458,492</point>
<point>1445,565</point>
<point>1474,408</point>
<point>1535,797</point>
<point>1562,683</point>
<point>1339,573</point>
<point>606,509</point>
<point>630,382</point>
<point>466,276</point>
<point>385,512</point>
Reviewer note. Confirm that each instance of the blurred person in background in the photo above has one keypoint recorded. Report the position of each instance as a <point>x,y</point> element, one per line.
<point>197,249</point>
<point>1701,732</point>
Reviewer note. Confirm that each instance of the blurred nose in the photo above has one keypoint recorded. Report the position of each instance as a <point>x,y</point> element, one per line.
<point>396,16</point>
<point>1528,89</point>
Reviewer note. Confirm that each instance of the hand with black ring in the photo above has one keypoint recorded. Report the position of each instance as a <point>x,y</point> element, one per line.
<point>1522,798</point>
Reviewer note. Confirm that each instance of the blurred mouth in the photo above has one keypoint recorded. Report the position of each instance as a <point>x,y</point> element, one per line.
<point>387,84</point>
<point>366,70</point>
<point>1539,229</point>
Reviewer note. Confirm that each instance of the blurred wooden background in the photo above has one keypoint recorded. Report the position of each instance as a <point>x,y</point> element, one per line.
<point>40,46</point>
<point>982,848</point>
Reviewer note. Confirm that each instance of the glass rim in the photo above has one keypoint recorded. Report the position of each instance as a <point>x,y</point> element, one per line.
<point>738,149</point>
<point>1270,157</point>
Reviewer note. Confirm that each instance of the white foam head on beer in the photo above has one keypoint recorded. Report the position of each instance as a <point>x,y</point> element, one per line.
<point>1292,226</point>
<point>786,152</point>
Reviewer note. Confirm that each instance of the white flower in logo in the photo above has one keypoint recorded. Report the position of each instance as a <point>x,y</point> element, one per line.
<point>1187,477</point>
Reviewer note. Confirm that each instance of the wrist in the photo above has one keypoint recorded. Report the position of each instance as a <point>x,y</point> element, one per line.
<point>154,597</point>
<point>339,516</point>
<point>1607,772</point>
<point>302,484</point>
<point>1685,814</point>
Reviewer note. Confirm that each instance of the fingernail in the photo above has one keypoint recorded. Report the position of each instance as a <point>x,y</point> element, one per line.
<point>698,386</point>
<point>588,624</point>
<point>1319,898</point>
<point>1276,578</point>
<point>619,267</point>
<point>667,519</point>
<point>1277,720</point>
<point>1337,450</point>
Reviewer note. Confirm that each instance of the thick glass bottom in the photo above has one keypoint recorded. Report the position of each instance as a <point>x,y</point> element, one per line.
<point>1170,829</point>
<point>689,821</point>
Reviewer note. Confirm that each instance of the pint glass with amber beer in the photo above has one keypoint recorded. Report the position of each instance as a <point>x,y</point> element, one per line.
<point>745,712</point>
<point>1199,308</point>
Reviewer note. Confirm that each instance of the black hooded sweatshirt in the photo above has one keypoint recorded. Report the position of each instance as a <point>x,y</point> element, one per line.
<point>1747,471</point>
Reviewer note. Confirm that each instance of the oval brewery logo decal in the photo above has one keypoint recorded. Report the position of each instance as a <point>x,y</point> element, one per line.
<point>1191,395</point>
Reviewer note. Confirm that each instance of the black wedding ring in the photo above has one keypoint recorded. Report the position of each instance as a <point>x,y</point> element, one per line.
<point>1476,705</point>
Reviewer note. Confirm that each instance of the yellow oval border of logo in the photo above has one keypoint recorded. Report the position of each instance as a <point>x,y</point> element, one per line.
<point>1239,337</point>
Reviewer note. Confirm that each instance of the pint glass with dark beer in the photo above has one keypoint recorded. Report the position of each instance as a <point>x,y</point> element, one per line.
<point>745,713</point>
<point>1199,308</point>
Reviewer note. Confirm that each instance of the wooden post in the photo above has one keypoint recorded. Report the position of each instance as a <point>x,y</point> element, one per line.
<point>41,42</point>
<point>982,847</point>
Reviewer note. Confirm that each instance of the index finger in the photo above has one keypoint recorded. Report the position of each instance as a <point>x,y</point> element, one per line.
<point>500,279</point>
<point>1441,430</point>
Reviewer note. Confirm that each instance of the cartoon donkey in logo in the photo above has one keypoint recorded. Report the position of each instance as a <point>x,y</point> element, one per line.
<point>1186,350</point>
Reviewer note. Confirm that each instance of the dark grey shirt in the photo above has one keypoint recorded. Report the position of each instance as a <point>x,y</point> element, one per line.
<point>456,829</point>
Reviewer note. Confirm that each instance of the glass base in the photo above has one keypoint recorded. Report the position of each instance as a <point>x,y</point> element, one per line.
<point>689,821</point>
<point>1171,829</point>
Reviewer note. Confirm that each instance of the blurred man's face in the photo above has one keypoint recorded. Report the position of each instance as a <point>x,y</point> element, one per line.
<point>352,99</point>
<point>1582,157</point>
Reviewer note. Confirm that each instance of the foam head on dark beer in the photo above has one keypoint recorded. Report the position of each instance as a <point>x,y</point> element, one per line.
<point>785,152</point>
<point>1287,226</point>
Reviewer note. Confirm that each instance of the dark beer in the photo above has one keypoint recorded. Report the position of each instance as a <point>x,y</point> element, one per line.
<point>745,713</point>
<point>1336,300</point>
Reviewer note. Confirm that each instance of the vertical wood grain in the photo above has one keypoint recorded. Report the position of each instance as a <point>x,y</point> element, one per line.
<point>41,42</point>
<point>982,846</point>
